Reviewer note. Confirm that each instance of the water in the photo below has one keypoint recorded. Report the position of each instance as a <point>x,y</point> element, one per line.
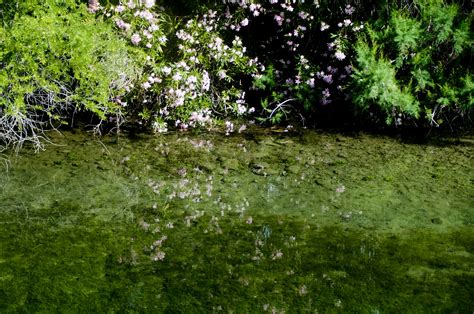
<point>253,222</point>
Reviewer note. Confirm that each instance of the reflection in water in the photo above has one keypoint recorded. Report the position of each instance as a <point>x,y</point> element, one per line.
<point>248,223</point>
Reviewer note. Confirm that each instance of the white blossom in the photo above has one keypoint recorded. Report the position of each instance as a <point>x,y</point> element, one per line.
<point>119,9</point>
<point>340,55</point>
<point>135,39</point>
<point>122,25</point>
<point>324,26</point>
<point>177,76</point>
<point>149,3</point>
<point>328,78</point>
<point>349,9</point>
<point>206,82</point>
<point>166,70</point>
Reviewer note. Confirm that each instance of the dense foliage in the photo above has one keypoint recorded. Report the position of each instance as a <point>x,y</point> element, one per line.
<point>417,64</point>
<point>189,64</point>
<point>56,60</point>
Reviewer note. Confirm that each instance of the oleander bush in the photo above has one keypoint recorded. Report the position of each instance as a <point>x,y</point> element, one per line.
<point>304,50</point>
<point>192,73</point>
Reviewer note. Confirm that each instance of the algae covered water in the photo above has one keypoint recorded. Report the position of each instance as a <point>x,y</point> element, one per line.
<point>251,222</point>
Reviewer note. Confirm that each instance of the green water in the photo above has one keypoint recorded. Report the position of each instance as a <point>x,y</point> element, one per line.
<point>254,222</point>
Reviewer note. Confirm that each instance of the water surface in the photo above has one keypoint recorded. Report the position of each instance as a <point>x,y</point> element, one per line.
<point>251,222</point>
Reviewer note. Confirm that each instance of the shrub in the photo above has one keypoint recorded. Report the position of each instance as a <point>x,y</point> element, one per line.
<point>190,82</point>
<point>414,66</point>
<point>305,52</point>
<point>57,60</point>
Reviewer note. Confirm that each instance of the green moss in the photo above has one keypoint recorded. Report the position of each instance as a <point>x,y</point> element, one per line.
<point>313,234</point>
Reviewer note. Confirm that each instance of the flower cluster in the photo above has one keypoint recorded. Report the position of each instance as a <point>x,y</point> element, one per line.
<point>306,57</point>
<point>186,90</point>
<point>139,23</point>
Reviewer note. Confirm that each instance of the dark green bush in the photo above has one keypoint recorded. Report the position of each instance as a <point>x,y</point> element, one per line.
<point>415,66</point>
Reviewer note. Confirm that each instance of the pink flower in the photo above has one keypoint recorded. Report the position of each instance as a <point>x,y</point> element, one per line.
<point>229,127</point>
<point>120,9</point>
<point>135,39</point>
<point>149,3</point>
<point>340,55</point>
<point>131,4</point>
<point>244,22</point>
<point>326,93</point>
<point>122,25</point>
<point>146,85</point>
<point>206,82</point>
<point>328,78</point>
<point>279,20</point>
<point>349,9</point>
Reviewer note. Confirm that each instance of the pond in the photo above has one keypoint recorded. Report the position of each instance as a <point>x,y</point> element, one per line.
<point>253,222</point>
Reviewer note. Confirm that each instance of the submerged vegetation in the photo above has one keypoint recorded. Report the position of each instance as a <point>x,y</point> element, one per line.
<point>292,223</point>
<point>138,63</point>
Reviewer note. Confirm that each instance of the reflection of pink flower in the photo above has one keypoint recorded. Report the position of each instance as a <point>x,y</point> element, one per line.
<point>277,255</point>
<point>159,256</point>
<point>340,189</point>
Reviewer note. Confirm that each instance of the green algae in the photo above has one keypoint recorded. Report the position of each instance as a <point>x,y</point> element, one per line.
<point>247,223</point>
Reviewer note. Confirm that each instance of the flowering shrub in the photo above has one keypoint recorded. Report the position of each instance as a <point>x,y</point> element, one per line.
<point>198,78</point>
<point>304,49</point>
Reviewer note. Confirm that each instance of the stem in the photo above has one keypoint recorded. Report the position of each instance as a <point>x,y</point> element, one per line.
<point>281,105</point>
